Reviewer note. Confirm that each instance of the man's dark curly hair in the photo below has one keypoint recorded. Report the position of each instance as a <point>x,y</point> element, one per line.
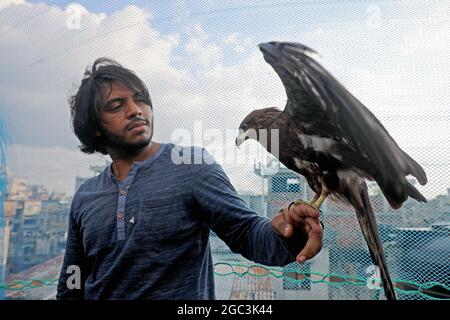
<point>85,105</point>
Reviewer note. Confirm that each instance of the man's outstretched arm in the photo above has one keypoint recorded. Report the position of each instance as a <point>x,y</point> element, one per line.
<point>257,238</point>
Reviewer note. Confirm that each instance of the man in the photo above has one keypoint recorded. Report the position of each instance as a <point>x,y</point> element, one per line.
<point>140,229</point>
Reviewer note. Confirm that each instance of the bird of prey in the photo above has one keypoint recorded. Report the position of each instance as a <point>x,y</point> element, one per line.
<point>334,141</point>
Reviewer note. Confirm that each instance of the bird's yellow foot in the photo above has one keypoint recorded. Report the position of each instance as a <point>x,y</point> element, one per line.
<point>311,203</point>
<point>297,202</point>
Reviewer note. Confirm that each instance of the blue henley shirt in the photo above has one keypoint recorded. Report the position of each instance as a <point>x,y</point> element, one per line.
<point>148,236</point>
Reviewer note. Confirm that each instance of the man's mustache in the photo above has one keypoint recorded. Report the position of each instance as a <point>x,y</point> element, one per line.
<point>131,124</point>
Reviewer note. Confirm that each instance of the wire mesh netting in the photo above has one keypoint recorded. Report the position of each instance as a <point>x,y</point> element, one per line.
<point>392,55</point>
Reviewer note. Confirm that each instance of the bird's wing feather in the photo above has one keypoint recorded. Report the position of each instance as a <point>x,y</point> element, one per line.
<point>351,120</point>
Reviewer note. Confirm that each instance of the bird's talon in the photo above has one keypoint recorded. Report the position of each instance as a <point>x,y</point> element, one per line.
<point>310,203</point>
<point>298,202</point>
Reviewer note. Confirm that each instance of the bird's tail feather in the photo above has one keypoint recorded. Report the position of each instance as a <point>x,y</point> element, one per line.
<point>359,198</point>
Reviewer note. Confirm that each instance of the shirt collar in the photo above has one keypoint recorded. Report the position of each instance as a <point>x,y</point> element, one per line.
<point>137,164</point>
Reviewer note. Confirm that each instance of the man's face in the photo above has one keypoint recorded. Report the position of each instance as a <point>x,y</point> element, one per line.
<point>127,119</point>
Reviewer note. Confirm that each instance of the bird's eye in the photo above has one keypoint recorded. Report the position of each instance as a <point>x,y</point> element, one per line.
<point>244,127</point>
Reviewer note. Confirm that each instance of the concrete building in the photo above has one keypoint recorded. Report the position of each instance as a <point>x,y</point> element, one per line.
<point>37,233</point>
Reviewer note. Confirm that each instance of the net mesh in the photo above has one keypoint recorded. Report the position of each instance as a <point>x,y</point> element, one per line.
<point>33,221</point>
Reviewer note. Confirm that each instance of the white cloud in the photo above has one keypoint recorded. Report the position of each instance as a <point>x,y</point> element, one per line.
<point>5,3</point>
<point>41,61</point>
<point>238,43</point>
<point>430,37</point>
<point>202,52</point>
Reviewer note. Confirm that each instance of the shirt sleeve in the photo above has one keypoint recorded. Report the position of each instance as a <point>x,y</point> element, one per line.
<point>242,229</point>
<point>74,256</point>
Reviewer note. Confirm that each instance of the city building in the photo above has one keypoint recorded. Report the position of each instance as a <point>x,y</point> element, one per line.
<point>35,233</point>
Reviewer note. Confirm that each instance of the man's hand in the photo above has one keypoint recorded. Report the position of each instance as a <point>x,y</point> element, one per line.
<point>301,218</point>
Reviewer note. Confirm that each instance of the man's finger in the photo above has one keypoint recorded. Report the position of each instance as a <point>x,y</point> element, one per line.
<point>304,210</point>
<point>314,243</point>
<point>296,218</point>
<point>283,224</point>
<point>315,225</point>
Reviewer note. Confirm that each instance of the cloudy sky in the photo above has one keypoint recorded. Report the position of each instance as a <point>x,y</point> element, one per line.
<point>202,66</point>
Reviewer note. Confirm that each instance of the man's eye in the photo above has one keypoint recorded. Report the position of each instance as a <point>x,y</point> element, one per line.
<point>115,107</point>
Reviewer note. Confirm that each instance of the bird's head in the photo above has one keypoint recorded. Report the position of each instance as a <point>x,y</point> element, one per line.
<point>254,122</point>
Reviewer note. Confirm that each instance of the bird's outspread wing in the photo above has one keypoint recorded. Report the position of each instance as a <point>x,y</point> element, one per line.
<point>324,110</point>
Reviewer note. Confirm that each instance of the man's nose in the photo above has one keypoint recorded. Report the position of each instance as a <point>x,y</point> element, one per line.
<point>133,109</point>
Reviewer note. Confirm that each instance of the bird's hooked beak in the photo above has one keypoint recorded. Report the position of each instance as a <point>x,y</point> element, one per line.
<point>241,137</point>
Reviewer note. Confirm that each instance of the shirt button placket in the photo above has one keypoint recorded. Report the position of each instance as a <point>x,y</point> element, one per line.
<point>121,214</point>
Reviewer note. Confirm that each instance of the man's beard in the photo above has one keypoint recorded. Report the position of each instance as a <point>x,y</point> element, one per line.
<point>119,145</point>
